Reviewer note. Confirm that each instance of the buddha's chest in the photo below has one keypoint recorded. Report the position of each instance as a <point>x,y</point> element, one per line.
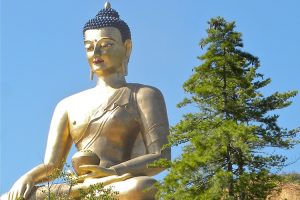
<point>115,127</point>
<point>113,122</point>
<point>80,114</point>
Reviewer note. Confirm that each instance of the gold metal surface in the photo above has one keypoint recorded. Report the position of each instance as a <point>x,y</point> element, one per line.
<point>107,5</point>
<point>122,126</point>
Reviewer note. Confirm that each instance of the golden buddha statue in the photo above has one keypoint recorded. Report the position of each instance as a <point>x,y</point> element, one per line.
<point>118,128</point>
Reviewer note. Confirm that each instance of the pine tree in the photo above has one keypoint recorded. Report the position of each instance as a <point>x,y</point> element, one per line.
<point>224,153</point>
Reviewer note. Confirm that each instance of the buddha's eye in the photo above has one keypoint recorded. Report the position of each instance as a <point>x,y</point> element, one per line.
<point>106,45</point>
<point>89,47</point>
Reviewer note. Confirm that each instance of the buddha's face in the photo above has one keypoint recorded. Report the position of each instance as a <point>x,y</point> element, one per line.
<point>105,50</point>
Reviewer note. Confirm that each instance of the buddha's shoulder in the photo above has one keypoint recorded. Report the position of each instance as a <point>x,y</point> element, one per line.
<point>77,98</point>
<point>145,91</point>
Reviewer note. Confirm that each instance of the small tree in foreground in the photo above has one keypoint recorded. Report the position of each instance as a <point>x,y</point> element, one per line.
<point>224,155</point>
<point>61,182</point>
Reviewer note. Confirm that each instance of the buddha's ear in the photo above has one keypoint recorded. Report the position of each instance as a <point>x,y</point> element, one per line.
<point>128,48</point>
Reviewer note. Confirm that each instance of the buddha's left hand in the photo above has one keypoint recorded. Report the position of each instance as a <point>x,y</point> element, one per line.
<point>94,171</point>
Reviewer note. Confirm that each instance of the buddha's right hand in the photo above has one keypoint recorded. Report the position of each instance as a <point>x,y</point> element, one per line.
<point>21,188</point>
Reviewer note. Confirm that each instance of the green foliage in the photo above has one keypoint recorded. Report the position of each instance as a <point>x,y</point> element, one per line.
<point>65,180</point>
<point>98,192</point>
<point>291,178</point>
<point>223,155</point>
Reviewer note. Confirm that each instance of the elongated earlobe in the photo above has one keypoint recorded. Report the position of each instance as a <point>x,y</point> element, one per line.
<point>128,47</point>
<point>125,67</point>
<point>91,75</point>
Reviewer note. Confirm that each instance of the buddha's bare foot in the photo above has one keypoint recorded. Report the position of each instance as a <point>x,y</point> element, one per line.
<point>107,180</point>
<point>137,188</point>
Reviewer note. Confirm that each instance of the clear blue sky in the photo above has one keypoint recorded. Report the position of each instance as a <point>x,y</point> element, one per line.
<point>43,60</point>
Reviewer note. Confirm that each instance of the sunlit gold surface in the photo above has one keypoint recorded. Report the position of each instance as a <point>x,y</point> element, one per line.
<point>125,125</point>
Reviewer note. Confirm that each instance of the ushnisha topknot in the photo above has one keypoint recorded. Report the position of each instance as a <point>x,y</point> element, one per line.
<point>108,17</point>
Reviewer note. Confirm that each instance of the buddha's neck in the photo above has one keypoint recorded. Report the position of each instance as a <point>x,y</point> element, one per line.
<point>111,81</point>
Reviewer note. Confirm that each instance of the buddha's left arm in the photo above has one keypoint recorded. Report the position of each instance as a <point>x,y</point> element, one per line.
<point>155,130</point>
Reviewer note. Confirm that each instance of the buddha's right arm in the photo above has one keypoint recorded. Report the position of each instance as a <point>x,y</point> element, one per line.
<point>58,146</point>
<point>155,131</point>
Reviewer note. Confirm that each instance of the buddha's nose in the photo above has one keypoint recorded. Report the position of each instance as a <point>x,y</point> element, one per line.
<point>97,51</point>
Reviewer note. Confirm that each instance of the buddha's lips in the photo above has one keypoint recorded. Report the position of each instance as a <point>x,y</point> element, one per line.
<point>97,61</point>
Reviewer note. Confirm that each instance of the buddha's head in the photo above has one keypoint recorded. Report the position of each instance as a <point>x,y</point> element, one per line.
<point>108,43</point>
